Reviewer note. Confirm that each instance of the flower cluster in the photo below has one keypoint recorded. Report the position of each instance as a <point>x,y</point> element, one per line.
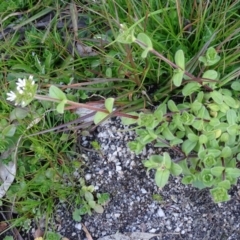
<point>24,93</point>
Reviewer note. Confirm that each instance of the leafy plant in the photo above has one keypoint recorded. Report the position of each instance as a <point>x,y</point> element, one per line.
<point>203,130</point>
<point>88,202</point>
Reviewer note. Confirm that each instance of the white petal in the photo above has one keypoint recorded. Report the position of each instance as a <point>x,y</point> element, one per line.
<point>11,96</point>
<point>21,82</point>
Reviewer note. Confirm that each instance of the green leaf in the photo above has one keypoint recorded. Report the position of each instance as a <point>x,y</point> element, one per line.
<point>8,238</point>
<point>207,178</point>
<point>177,77</point>
<point>91,203</point>
<point>192,137</point>
<point>184,165</point>
<point>77,215</point>
<point>175,169</point>
<point>60,106</point>
<point>223,107</point>
<point>161,177</point>
<point>198,125</point>
<point>175,142</point>
<point>236,85</point>
<point>213,106</point>
<point>129,121</point>
<point>88,196</point>
<point>232,172</point>
<point>147,120</point>
<point>233,129</point>
<point>210,58</point>
<point>200,97</point>
<point>9,131</point>
<point>210,74</point>
<point>161,144</point>
<point>224,184</point>
<point>188,179</point>
<point>191,88</point>
<point>57,93</point>
<point>188,146</point>
<point>99,116</point>
<point>144,53</point>
<point>108,72</point>
<point>214,122</point>
<point>168,134</point>
<point>217,97</point>
<point>142,37</point>
<point>167,160</point>
<point>196,106</point>
<point>214,152</point>
<point>18,113</point>
<point>226,152</point>
<point>98,208</point>
<point>209,161</point>
<point>203,139</point>
<point>161,110</point>
<point>50,173</point>
<point>219,195</point>
<point>135,146</point>
<point>180,59</point>
<point>156,158</point>
<point>172,106</point>
<point>217,171</point>
<point>230,101</point>
<point>103,198</point>
<point>109,104</point>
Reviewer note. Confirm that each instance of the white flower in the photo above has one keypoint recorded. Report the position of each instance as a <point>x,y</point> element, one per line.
<point>21,83</point>
<point>20,90</point>
<point>11,96</point>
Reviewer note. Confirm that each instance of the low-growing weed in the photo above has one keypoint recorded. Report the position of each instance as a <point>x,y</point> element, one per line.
<point>203,129</point>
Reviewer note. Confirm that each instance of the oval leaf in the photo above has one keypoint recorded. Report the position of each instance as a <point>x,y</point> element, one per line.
<point>179,59</point>
<point>60,107</point>
<point>9,130</point>
<point>109,104</point>
<point>177,77</point>
<point>161,177</point>
<point>190,88</point>
<point>142,37</point>
<point>217,97</point>
<point>99,116</point>
<point>57,93</point>
<point>210,74</point>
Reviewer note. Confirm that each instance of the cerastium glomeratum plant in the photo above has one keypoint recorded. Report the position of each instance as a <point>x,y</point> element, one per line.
<point>203,129</point>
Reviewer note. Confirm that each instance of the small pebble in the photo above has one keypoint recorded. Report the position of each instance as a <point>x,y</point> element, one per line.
<point>160,213</point>
<point>88,176</point>
<point>78,226</point>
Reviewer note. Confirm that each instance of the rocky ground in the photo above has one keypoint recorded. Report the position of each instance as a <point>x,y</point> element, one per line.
<point>182,212</point>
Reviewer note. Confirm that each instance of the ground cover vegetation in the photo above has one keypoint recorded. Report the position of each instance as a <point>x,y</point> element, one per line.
<point>169,67</point>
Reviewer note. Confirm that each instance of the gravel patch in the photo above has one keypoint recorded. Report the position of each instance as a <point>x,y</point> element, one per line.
<point>183,213</point>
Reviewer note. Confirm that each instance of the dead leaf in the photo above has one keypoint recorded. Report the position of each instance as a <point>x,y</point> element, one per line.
<point>7,175</point>
<point>84,50</point>
<point>3,226</point>
<point>130,236</point>
<point>38,234</point>
<point>88,235</point>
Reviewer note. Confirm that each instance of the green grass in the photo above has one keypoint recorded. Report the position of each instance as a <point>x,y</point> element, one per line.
<point>115,70</point>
